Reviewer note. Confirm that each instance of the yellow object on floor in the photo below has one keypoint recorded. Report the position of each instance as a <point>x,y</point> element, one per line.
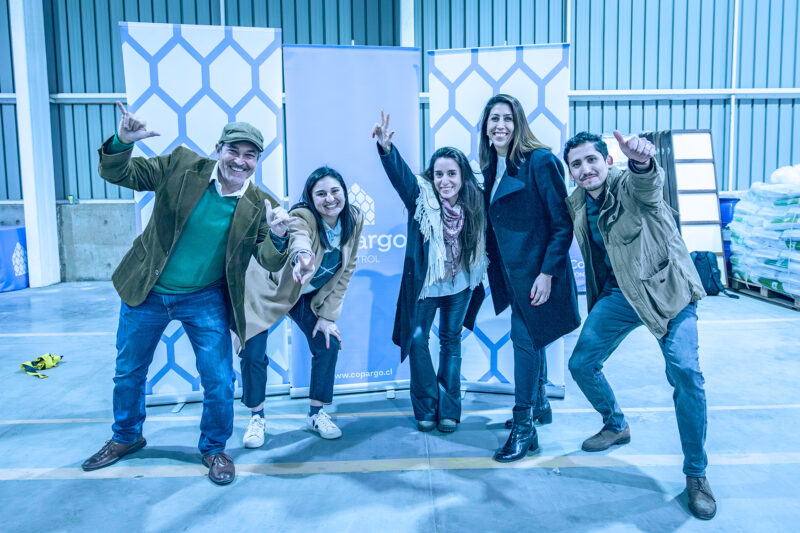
<point>43,362</point>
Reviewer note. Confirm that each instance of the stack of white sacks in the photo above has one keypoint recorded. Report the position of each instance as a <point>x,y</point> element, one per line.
<point>765,233</point>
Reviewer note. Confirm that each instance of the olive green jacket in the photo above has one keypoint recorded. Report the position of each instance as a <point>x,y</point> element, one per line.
<point>646,250</point>
<point>179,180</point>
<point>270,296</point>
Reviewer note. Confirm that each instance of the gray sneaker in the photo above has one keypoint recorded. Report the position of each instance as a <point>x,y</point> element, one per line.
<point>447,425</point>
<point>701,500</point>
<point>606,439</point>
<point>426,425</point>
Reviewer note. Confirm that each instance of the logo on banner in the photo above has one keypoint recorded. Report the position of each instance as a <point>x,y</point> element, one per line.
<point>359,197</point>
<point>372,242</point>
<point>20,261</point>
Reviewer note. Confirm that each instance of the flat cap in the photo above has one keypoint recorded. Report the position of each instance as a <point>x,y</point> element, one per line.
<point>242,131</point>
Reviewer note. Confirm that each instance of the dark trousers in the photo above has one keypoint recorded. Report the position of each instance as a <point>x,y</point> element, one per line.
<point>438,395</point>
<point>254,359</point>
<point>530,364</point>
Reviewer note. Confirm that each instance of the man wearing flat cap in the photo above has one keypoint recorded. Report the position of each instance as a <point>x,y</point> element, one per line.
<point>188,265</point>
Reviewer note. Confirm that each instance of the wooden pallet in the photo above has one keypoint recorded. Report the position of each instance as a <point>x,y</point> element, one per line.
<point>765,293</point>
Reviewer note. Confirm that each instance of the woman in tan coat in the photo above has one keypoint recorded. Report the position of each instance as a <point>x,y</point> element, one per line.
<point>323,248</point>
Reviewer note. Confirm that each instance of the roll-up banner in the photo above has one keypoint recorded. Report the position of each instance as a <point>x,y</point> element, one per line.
<point>187,82</point>
<point>334,96</point>
<point>460,83</point>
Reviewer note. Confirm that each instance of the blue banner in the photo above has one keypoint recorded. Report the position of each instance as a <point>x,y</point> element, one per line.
<point>334,96</point>
<point>13,258</point>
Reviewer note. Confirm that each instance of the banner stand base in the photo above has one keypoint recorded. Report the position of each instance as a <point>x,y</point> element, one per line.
<point>553,391</point>
<point>389,387</point>
<point>380,386</point>
<point>197,396</point>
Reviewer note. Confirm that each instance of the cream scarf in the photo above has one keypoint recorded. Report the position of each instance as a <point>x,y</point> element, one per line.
<point>429,217</point>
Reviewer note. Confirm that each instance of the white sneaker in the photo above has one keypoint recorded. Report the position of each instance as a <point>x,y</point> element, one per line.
<point>256,429</point>
<point>322,424</point>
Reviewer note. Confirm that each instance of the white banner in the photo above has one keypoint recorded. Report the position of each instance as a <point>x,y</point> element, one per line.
<point>460,83</point>
<point>187,82</point>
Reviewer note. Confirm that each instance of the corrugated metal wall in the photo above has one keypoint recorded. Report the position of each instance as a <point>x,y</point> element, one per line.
<point>650,45</point>
<point>10,182</point>
<point>767,130</point>
<point>360,22</point>
<point>86,57</point>
<point>660,44</point>
<point>617,44</point>
<point>653,44</point>
<point>468,23</point>
<point>440,24</point>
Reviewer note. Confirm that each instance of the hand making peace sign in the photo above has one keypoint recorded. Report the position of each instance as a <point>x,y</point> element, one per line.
<point>381,131</point>
<point>304,267</point>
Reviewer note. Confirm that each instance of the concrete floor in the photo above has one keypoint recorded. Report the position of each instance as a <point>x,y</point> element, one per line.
<point>383,475</point>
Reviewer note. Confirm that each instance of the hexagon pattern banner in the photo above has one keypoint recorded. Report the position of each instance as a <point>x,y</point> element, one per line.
<point>460,82</point>
<point>187,82</point>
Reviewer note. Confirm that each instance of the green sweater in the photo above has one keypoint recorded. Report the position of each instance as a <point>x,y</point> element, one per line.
<point>198,259</point>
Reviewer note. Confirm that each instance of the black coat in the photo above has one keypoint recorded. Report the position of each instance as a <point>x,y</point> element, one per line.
<point>415,264</point>
<point>528,231</point>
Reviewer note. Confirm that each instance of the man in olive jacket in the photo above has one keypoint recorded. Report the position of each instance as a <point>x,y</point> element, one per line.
<point>638,271</point>
<point>188,264</point>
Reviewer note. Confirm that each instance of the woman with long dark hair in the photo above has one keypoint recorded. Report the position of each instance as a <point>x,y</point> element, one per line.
<point>323,248</point>
<point>528,235</point>
<point>444,264</point>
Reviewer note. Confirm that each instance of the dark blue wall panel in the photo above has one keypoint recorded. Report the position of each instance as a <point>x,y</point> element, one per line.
<point>10,179</point>
<point>616,44</point>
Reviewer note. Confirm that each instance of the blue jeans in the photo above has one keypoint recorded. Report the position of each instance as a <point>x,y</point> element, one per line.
<point>609,322</point>
<point>438,395</point>
<point>254,359</point>
<point>204,317</point>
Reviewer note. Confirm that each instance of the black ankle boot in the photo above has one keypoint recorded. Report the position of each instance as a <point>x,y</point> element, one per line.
<point>521,440</point>
<point>541,416</point>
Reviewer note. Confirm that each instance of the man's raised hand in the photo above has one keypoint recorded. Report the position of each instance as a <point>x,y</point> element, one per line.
<point>130,128</point>
<point>381,131</point>
<point>637,149</point>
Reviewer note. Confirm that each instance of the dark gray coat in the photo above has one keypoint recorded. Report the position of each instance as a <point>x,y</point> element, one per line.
<point>528,231</point>
<point>415,264</point>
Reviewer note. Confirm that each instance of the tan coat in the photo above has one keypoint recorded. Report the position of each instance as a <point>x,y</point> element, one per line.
<point>270,296</point>
<point>646,250</point>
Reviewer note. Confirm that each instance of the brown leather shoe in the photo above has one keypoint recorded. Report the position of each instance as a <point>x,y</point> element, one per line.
<point>701,500</point>
<point>220,468</point>
<point>110,453</point>
<point>606,439</point>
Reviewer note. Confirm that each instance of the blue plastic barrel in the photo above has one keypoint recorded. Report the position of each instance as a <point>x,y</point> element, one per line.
<point>726,210</point>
